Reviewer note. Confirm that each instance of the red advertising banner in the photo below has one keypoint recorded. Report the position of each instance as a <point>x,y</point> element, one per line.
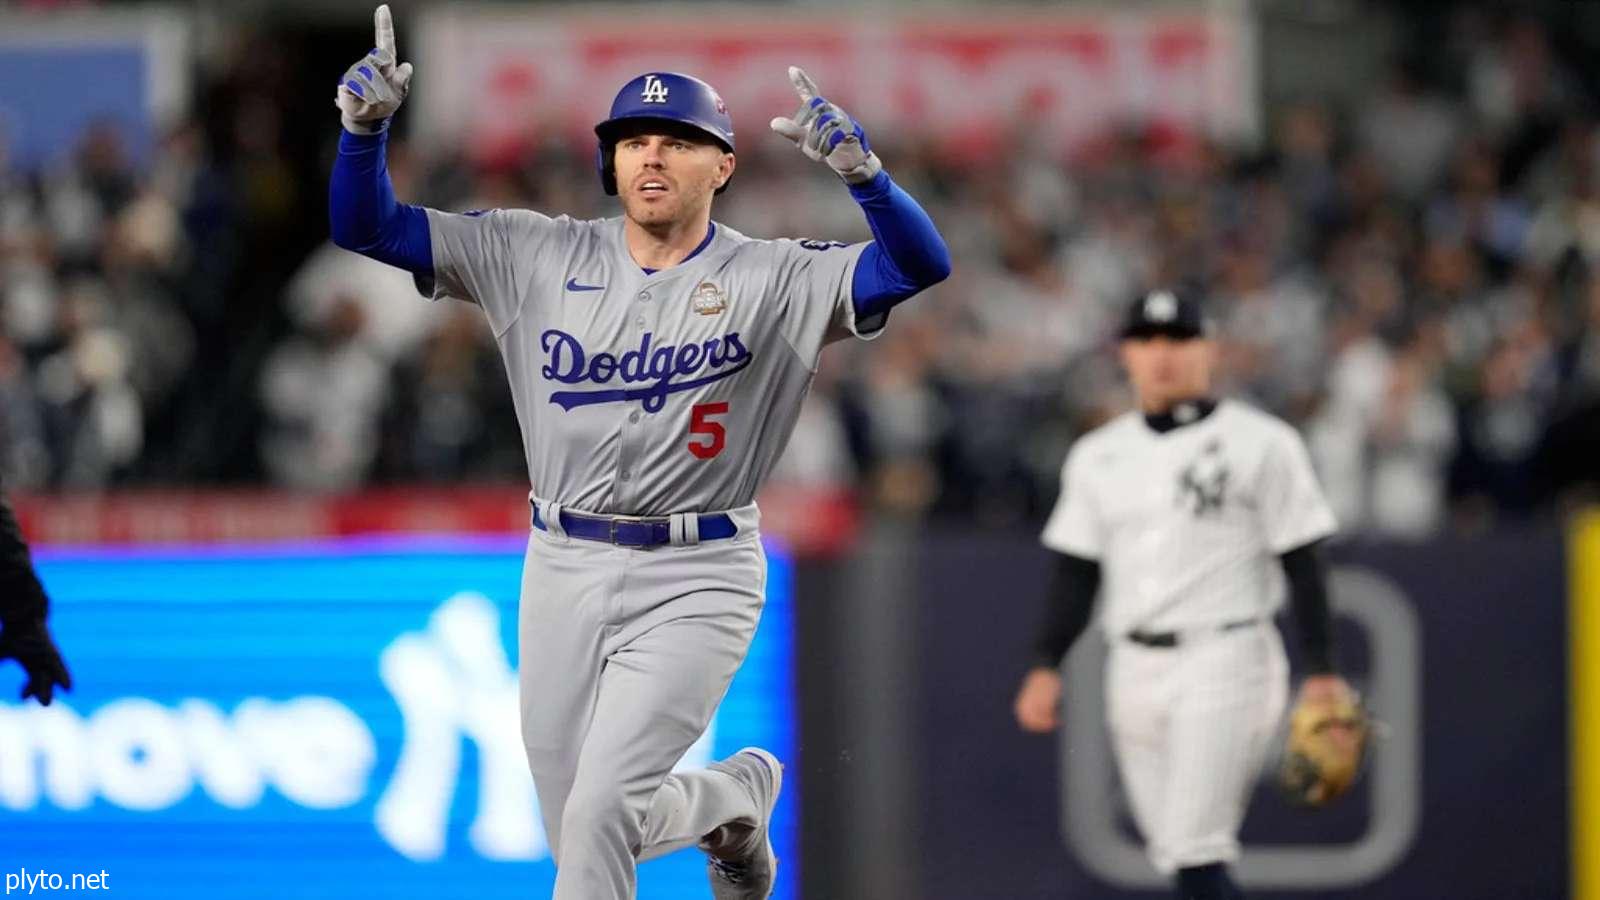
<point>809,522</point>
<point>973,80</point>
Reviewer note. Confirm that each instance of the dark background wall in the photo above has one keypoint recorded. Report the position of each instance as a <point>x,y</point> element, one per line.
<point>942,796</point>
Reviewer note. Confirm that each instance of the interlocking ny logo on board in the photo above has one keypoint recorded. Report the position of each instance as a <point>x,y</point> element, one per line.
<point>654,90</point>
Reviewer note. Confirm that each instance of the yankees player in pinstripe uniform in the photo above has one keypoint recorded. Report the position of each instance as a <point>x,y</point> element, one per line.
<point>657,361</point>
<point>1188,515</point>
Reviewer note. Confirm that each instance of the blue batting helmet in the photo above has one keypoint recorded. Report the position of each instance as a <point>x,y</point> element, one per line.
<point>667,97</point>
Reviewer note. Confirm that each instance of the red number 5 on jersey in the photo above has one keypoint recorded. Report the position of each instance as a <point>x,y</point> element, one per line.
<point>700,423</point>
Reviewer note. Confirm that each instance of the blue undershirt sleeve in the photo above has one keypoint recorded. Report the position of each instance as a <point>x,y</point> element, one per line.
<point>906,255</point>
<point>363,214</point>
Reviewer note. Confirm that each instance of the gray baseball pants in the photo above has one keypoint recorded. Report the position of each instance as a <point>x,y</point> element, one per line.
<point>624,655</point>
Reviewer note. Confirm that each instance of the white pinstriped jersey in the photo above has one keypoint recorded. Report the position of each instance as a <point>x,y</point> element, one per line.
<point>1187,524</point>
<point>648,394</point>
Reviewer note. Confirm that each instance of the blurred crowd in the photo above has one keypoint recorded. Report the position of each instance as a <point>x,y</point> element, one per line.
<point>1413,280</point>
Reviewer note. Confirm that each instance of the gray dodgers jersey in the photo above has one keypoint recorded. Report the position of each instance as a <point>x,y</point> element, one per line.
<point>648,394</point>
<point>1188,524</point>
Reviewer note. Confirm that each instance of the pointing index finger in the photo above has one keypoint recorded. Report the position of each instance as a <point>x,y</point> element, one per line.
<point>803,85</point>
<point>383,25</point>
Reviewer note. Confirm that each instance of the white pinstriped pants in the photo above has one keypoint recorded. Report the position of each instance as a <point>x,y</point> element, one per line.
<point>1191,726</point>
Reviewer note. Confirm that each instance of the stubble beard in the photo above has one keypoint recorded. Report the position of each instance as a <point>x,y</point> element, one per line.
<point>682,207</point>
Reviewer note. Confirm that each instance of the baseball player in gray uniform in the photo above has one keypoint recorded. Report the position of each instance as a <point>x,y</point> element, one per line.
<point>1188,515</point>
<point>658,361</point>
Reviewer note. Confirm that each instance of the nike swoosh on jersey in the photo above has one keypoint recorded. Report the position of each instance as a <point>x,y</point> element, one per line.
<point>573,285</point>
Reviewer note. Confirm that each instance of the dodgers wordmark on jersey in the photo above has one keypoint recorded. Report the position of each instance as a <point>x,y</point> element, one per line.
<point>1188,524</point>
<point>648,393</point>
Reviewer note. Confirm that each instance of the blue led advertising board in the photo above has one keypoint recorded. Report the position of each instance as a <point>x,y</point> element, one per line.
<point>330,719</point>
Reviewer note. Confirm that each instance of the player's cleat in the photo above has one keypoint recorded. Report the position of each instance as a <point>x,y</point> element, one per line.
<point>749,872</point>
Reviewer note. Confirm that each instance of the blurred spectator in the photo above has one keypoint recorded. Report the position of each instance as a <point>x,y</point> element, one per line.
<point>449,416</point>
<point>1513,76</point>
<point>395,317</point>
<point>1271,329</point>
<point>80,198</point>
<point>27,452</point>
<point>324,392</point>
<point>1410,130</point>
<point>1383,436</point>
<point>92,412</point>
<point>1501,424</point>
<point>899,418</point>
<point>1573,439</point>
<point>818,457</point>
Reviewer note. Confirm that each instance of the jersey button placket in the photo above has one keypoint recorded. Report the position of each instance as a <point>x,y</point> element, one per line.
<point>633,437</point>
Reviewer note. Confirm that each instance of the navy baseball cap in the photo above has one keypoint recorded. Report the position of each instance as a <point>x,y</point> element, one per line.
<point>1170,312</point>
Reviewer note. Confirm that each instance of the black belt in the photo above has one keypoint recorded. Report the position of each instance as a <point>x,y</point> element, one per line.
<point>634,532</point>
<point>1167,639</point>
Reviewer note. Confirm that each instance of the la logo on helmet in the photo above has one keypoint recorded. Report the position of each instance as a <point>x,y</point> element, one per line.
<point>654,90</point>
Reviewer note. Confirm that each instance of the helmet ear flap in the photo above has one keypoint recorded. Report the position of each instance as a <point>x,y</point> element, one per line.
<point>608,168</point>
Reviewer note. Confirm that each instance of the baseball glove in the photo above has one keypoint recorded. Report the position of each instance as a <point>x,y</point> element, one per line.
<point>1326,746</point>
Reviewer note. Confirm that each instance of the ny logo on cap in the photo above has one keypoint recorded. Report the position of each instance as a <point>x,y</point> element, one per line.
<point>1161,307</point>
<point>654,90</point>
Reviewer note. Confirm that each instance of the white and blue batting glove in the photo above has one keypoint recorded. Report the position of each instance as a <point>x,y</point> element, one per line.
<point>373,89</point>
<point>826,133</point>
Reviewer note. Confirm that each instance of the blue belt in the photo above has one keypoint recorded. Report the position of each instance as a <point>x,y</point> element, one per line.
<point>629,532</point>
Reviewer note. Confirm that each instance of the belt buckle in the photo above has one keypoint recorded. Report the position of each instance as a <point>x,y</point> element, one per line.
<point>612,535</point>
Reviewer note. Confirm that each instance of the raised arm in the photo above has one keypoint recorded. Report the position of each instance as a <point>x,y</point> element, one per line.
<point>907,253</point>
<point>363,214</point>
